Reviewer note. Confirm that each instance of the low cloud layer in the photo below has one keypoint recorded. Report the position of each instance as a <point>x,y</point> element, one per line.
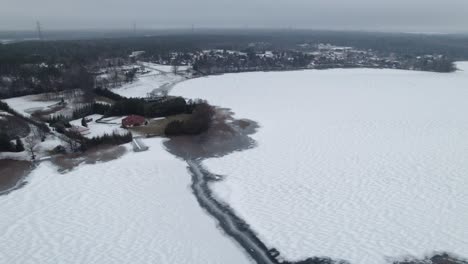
<point>380,15</point>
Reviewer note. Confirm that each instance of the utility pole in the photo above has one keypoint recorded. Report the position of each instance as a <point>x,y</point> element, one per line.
<point>134,29</point>
<point>39,30</point>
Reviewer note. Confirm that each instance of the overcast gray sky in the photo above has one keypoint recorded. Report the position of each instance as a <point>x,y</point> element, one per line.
<point>380,15</point>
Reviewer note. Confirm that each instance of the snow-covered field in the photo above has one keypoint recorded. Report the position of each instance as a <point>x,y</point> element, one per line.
<point>137,209</point>
<point>163,68</point>
<point>25,105</point>
<point>356,164</point>
<point>147,83</point>
<point>101,129</point>
<point>158,76</point>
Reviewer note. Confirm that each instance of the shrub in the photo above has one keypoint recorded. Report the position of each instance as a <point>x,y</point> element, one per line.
<point>199,122</point>
<point>112,139</point>
<point>19,145</point>
<point>108,94</point>
<point>128,107</point>
<point>5,107</point>
<point>80,112</point>
<point>166,107</point>
<point>174,128</point>
<point>134,106</point>
<point>320,260</point>
<point>5,143</point>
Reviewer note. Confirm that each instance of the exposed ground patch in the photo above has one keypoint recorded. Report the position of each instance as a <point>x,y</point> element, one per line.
<point>103,153</point>
<point>14,126</point>
<point>156,126</point>
<point>226,135</point>
<point>12,174</point>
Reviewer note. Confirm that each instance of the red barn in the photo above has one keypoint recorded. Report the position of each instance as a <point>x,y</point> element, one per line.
<point>133,120</point>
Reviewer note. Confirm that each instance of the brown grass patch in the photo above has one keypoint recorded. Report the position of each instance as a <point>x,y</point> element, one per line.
<point>102,153</point>
<point>12,171</point>
<point>156,127</point>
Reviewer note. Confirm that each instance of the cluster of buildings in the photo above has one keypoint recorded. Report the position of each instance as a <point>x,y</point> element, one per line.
<point>309,56</point>
<point>265,57</point>
<point>330,56</point>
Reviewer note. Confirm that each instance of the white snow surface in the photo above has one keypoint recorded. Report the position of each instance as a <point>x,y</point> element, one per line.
<point>364,165</point>
<point>42,149</point>
<point>156,76</point>
<point>137,209</point>
<point>163,68</point>
<point>147,83</point>
<point>101,129</point>
<point>25,105</point>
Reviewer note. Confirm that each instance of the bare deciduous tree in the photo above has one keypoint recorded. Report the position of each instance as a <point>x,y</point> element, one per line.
<point>38,133</point>
<point>175,69</point>
<point>31,144</point>
<point>72,141</point>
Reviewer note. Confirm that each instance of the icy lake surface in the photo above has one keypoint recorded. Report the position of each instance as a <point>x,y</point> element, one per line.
<point>137,209</point>
<point>356,164</point>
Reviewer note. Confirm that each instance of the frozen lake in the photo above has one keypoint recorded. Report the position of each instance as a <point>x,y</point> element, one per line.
<point>355,164</point>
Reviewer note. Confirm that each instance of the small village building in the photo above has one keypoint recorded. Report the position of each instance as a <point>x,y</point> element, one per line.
<point>133,120</point>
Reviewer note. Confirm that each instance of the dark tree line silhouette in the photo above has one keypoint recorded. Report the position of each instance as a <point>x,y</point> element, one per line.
<point>199,122</point>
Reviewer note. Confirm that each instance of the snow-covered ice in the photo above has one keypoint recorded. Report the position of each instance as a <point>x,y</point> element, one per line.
<point>355,164</point>
<point>137,209</point>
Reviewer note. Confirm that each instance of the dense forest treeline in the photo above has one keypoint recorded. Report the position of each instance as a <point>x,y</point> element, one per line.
<point>454,46</point>
<point>32,67</point>
<point>200,120</point>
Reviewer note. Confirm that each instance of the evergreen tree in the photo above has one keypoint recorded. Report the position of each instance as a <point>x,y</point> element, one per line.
<point>83,122</point>
<point>19,145</point>
<point>5,144</point>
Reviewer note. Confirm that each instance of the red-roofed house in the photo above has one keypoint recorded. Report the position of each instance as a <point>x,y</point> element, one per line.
<point>133,120</point>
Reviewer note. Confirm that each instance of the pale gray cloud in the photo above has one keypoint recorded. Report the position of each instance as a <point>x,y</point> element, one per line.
<point>384,15</point>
